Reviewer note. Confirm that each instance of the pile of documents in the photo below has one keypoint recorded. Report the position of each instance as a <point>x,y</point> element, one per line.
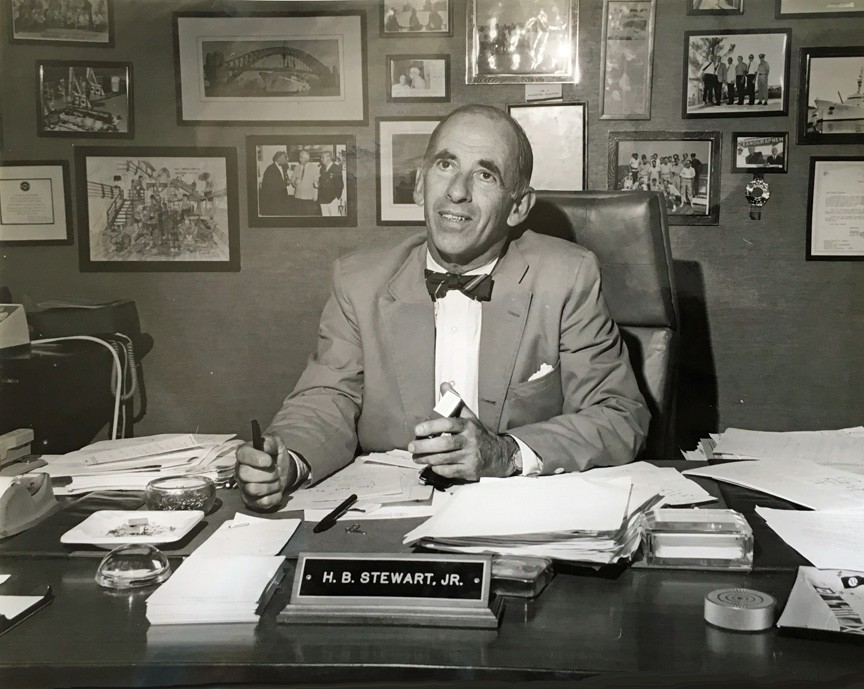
<point>830,601</point>
<point>131,463</point>
<point>223,580</point>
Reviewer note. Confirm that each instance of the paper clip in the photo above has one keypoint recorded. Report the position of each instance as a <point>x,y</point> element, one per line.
<point>354,528</point>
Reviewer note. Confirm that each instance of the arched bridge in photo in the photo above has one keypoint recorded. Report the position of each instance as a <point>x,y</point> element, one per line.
<point>233,67</point>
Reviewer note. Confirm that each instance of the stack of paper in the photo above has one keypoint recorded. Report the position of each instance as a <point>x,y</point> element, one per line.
<point>826,600</point>
<point>564,517</point>
<point>668,482</point>
<point>131,463</point>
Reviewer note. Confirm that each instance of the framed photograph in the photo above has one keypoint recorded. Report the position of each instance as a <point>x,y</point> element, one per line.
<point>830,99</point>
<point>835,216</point>
<point>418,78</point>
<point>558,133</point>
<point>819,8</point>
<point>80,98</point>
<point>277,68</point>
<point>402,143</point>
<point>715,6</point>
<point>522,42</point>
<point>62,22</point>
<point>157,209</point>
<point>683,166</point>
<point>35,205</point>
<point>737,73</point>
<point>301,181</point>
<point>421,17</point>
<point>627,55</point>
<point>760,152</point>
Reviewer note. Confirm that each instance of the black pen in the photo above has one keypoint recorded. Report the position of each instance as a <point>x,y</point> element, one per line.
<point>270,590</point>
<point>333,517</point>
<point>257,439</point>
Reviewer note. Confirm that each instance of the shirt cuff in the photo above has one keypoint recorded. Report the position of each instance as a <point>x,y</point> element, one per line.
<point>304,471</point>
<point>532,465</point>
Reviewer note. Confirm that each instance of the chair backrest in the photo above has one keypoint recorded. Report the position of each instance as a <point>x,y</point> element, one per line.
<point>628,232</point>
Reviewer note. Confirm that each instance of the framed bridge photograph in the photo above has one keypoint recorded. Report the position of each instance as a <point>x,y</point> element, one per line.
<point>274,67</point>
<point>157,209</point>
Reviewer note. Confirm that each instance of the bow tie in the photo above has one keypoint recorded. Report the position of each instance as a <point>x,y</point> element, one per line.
<point>477,287</point>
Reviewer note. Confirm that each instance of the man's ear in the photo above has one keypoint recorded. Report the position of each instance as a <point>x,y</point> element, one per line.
<point>521,208</point>
<point>418,187</point>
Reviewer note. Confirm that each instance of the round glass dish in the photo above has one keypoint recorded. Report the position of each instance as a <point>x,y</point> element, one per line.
<point>180,493</point>
<point>133,566</point>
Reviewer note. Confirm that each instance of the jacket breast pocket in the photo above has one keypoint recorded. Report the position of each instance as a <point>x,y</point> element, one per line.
<point>532,401</point>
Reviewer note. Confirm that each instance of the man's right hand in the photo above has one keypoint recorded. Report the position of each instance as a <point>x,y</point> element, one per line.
<point>264,475</point>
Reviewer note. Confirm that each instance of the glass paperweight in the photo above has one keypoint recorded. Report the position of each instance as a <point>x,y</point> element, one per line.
<point>132,567</point>
<point>698,539</point>
<point>180,493</point>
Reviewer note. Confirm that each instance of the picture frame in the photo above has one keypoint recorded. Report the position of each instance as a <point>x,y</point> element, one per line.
<point>45,23</point>
<point>401,146</point>
<point>701,206</point>
<point>835,230</point>
<point>35,204</point>
<point>558,133</point>
<point>830,109</point>
<point>403,18</point>
<point>799,9</point>
<point>84,98</point>
<point>298,188</point>
<point>760,152</point>
<point>627,56</point>
<point>157,209</point>
<point>753,93</point>
<point>715,7</point>
<point>417,78</point>
<point>325,82</point>
<point>536,44</point>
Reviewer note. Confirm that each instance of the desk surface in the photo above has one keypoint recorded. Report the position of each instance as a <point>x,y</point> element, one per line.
<point>639,621</point>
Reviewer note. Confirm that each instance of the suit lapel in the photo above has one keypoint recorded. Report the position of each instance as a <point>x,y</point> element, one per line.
<point>409,329</point>
<point>504,318</point>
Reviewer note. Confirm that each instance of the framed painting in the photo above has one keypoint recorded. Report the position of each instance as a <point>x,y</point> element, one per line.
<point>62,22</point>
<point>713,7</point>
<point>627,56</point>
<point>157,209</point>
<point>818,8</point>
<point>35,205</point>
<point>277,68</point>
<point>830,99</point>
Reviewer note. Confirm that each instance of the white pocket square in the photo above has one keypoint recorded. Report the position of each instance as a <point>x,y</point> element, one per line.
<point>542,371</point>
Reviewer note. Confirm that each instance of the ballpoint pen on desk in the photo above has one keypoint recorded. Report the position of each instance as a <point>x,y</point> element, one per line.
<point>331,519</point>
<point>270,590</point>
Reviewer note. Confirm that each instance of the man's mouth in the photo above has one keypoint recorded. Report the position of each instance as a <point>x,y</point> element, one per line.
<point>453,217</point>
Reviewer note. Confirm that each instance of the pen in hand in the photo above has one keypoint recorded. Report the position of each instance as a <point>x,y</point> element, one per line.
<point>257,438</point>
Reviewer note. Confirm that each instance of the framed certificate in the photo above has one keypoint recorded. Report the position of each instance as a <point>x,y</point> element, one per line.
<point>34,202</point>
<point>835,210</point>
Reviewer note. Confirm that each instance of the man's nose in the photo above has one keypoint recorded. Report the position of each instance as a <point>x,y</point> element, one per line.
<point>459,190</point>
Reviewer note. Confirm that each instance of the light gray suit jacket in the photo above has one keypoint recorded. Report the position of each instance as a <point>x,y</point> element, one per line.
<point>372,377</point>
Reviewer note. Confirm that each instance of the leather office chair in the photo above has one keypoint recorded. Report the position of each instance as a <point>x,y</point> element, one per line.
<point>629,234</point>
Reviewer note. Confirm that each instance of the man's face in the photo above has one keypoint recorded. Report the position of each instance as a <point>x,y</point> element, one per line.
<point>304,157</point>
<point>326,159</point>
<point>466,187</point>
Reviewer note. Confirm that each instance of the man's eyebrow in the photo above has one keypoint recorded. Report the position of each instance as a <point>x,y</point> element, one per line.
<point>444,155</point>
<point>492,166</point>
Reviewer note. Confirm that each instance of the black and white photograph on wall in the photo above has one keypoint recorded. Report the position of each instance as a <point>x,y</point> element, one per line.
<point>522,42</point>
<point>742,73</point>
<point>715,6</point>
<point>157,209</point>
<point>627,57</point>
<point>421,17</point>
<point>760,151</point>
<point>418,78</point>
<point>402,144</point>
<point>80,22</point>
<point>818,8</point>
<point>683,166</point>
<point>301,181</point>
<point>81,98</point>
<point>830,98</point>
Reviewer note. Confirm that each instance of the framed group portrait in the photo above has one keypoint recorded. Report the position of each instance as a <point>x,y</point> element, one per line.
<point>157,209</point>
<point>683,166</point>
<point>627,55</point>
<point>830,97</point>
<point>287,68</point>
<point>819,8</point>
<point>400,18</point>
<point>835,232</point>
<point>81,98</point>
<point>401,146</point>
<point>522,42</point>
<point>418,78</point>
<point>558,133</point>
<point>301,180</point>
<point>35,206</point>
<point>760,152</point>
<point>61,22</point>
<point>736,73</point>
<point>713,7</point>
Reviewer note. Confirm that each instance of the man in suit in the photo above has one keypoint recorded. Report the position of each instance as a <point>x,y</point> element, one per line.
<point>530,345</point>
<point>329,185</point>
<point>273,196</point>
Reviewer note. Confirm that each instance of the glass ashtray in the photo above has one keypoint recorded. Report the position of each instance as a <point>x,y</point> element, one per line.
<point>180,493</point>
<point>133,566</point>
